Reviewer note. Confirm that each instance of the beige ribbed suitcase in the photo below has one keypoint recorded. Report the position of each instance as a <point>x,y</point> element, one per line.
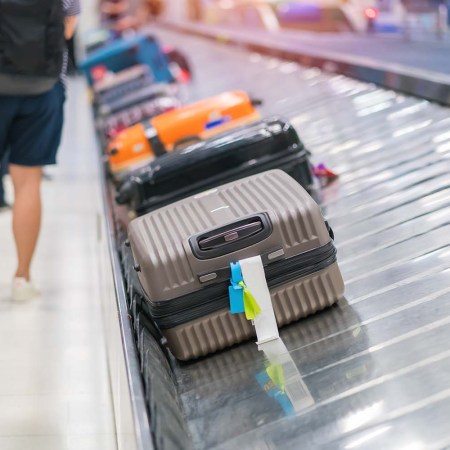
<point>183,253</point>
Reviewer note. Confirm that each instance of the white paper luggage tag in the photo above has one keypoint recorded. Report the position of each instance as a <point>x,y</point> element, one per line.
<point>281,379</point>
<point>256,297</point>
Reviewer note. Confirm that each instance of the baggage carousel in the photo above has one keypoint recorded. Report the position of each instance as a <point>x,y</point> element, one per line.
<point>371,372</point>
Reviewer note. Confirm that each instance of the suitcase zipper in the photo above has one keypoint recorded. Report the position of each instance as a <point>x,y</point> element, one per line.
<point>170,313</point>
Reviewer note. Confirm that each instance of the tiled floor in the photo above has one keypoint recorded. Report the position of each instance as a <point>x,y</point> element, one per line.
<point>54,386</point>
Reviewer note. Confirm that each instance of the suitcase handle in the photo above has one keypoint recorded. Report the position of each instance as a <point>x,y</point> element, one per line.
<point>256,101</point>
<point>216,241</point>
<point>232,237</point>
<point>187,140</point>
<point>330,230</point>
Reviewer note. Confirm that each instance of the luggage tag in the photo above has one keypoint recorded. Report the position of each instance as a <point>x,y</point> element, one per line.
<point>215,120</point>
<point>235,290</point>
<point>251,307</point>
<point>264,320</point>
<point>241,300</point>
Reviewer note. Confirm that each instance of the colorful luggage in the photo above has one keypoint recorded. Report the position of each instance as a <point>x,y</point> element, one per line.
<point>122,83</point>
<point>127,52</point>
<point>179,64</point>
<point>113,124</point>
<point>183,253</point>
<point>110,106</point>
<point>268,144</point>
<point>141,143</point>
<point>98,38</point>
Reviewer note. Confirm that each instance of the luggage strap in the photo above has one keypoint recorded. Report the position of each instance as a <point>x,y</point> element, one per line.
<point>152,135</point>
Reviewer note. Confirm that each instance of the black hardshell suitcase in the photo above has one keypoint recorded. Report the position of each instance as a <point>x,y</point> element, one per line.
<point>268,144</point>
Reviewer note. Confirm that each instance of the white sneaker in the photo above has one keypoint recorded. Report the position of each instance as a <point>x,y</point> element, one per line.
<point>23,290</point>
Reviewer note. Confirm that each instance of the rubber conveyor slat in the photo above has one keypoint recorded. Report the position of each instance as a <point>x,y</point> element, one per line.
<point>377,365</point>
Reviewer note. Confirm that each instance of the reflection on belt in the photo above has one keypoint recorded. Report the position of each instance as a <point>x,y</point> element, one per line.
<point>281,380</point>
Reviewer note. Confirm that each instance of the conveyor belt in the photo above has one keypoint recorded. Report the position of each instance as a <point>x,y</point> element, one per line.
<point>417,70</point>
<point>375,369</point>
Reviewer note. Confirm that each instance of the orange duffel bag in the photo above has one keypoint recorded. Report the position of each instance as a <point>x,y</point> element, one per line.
<point>141,143</point>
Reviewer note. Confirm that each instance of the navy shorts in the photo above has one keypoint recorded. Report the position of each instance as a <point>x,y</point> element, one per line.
<point>31,126</point>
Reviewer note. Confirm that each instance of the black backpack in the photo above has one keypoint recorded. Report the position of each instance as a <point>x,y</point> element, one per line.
<point>31,45</point>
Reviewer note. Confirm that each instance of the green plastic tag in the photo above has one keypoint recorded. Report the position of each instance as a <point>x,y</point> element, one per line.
<point>251,306</point>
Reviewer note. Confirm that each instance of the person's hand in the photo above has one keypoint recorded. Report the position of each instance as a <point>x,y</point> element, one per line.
<point>70,24</point>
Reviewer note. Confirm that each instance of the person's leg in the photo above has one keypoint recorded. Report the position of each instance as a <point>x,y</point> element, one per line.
<point>26,214</point>
<point>34,138</point>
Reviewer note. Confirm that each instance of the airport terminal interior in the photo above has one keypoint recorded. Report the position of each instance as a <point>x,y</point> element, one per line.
<point>245,242</point>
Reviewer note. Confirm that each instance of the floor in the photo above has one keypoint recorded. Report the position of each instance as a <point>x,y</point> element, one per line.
<point>54,384</point>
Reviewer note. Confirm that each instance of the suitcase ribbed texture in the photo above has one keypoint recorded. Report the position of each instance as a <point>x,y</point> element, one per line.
<point>163,244</point>
<point>272,193</point>
<point>316,293</point>
<point>164,229</point>
<point>222,329</point>
<point>316,338</point>
<point>168,257</point>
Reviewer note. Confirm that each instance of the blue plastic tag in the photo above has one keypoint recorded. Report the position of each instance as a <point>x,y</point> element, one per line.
<point>216,122</point>
<point>236,274</point>
<point>236,294</point>
<point>235,291</point>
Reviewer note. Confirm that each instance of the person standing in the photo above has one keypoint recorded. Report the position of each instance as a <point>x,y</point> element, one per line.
<point>33,62</point>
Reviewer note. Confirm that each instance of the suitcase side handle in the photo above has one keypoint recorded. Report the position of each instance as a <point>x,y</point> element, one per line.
<point>231,237</point>
<point>256,102</point>
<point>187,140</point>
<point>330,230</point>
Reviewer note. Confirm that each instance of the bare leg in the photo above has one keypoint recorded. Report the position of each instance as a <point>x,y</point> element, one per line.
<point>26,214</point>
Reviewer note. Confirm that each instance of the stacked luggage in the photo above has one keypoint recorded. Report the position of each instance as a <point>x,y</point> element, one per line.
<point>212,183</point>
<point>209,185</point>
<point>142,143</point>
<point>126,52</point>
<point>246,150</point>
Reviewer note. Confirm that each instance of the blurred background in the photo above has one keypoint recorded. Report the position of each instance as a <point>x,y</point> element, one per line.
<point>406,18</point>
<point>413,33</point>
<point>412,19</point>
